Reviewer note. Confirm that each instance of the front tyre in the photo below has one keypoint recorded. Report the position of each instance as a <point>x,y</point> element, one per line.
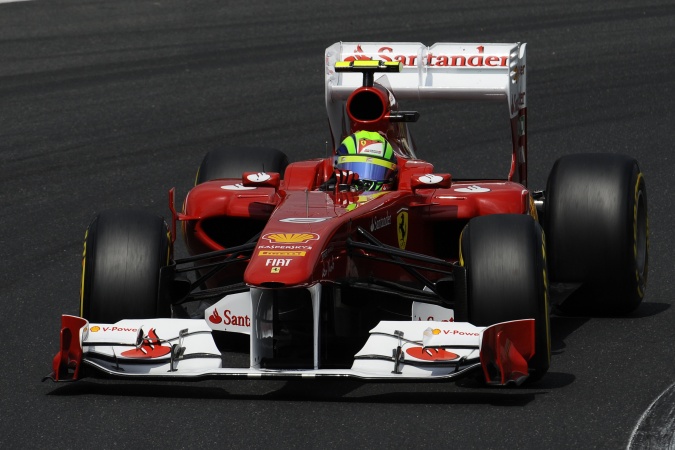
<point>506,278</point>
<point>598,232</point>
<point>233,162</point>
<point>123,254</point>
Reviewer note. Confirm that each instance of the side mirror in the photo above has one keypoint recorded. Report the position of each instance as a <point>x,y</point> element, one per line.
<point>431,181</point>
<point>261,179</point>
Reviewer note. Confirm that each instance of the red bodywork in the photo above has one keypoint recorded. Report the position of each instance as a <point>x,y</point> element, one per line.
<point>214,217</point>
<point>304,230</point>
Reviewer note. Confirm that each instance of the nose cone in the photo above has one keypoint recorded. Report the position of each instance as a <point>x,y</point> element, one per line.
<point>289,249</point>
<point>284,259</point>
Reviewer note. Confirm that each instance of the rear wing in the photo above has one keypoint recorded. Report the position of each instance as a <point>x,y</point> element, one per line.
<point>492,72</point>
<point>445,71</point>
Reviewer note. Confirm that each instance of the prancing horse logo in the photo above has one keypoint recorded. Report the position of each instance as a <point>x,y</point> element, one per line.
<point>402,228</point>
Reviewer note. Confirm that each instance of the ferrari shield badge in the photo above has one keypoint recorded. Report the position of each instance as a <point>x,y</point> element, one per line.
<point>402,228</point>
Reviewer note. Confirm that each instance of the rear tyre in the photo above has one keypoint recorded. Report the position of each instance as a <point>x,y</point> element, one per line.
<point>597,231</point>
<point>506,279</point>
<point>232,162</point>
<point>123,254</point>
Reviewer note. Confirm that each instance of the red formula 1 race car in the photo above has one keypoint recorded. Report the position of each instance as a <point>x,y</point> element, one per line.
<point>368,263</point>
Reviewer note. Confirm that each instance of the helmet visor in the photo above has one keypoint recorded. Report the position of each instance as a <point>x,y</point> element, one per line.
<point>367,167</point>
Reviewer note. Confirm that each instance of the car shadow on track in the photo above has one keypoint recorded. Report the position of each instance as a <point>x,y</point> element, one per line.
<point>467,391</point>
<point>561,328</point>
<point>309,391</point>
<point>649,309</point>
<point>564,324</point>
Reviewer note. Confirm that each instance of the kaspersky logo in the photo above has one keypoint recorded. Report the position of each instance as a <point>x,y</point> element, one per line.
<point>290,238</point>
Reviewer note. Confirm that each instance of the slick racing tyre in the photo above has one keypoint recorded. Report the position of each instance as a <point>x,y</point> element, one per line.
<point>506,278</point>
<point>232,162</point>
<point>123,254</point>
<point>597,231</point>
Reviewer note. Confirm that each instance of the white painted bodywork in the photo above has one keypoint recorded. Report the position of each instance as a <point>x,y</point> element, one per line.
<point>104,346</point>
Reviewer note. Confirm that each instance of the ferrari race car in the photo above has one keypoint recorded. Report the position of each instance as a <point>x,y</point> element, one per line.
<point>430,279</point>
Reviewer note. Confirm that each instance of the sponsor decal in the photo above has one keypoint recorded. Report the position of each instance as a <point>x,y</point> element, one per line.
<point>96,329</point>
<point>454,332</point>
<point>473,189</point>
<point>280,262</point>
<point>370,147</point>
<point>477,59</point>
<point>432,313</point>
<point>402,229</point>
<point>346,158</point>
<point>280,253</point>
<point>150,347</point>
<point>431,354</point>
<point>258,177</point>
<point>275,270</point>
<point>430,179</point>
<point>517,101</point>
<point>434,319</point>
<point>232,313</point>
<point>358,55</point>
<point>229,318</point>
<point>237,187</point>
<point>382,222</point>
<point>286,247</point>
<point>304,219</point>
<point>291,238</point>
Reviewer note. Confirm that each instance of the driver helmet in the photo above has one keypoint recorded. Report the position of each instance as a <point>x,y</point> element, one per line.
<point>368,154</point>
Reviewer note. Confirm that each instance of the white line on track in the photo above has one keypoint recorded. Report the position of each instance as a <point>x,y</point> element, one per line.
<point>13,1</point>
<point>656,427</point>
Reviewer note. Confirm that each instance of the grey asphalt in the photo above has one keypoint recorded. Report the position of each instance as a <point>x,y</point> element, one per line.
<point>110,104</point>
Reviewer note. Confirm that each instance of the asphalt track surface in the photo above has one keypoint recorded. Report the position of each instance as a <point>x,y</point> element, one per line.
<point>110,103</point>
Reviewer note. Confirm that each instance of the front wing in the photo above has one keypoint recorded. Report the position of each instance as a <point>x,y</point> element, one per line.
<point>395,351</point>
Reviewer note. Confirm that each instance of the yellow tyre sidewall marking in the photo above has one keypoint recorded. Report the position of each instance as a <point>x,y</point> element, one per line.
<point>546,299</point>
<point>636,197</point>
<point>84,265</point>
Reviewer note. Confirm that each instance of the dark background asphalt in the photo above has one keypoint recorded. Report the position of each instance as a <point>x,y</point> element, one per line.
<point>109,104</point>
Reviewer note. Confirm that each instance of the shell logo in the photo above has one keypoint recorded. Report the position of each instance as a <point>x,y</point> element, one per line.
<point>291,238</point>
<point>95,329</point>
